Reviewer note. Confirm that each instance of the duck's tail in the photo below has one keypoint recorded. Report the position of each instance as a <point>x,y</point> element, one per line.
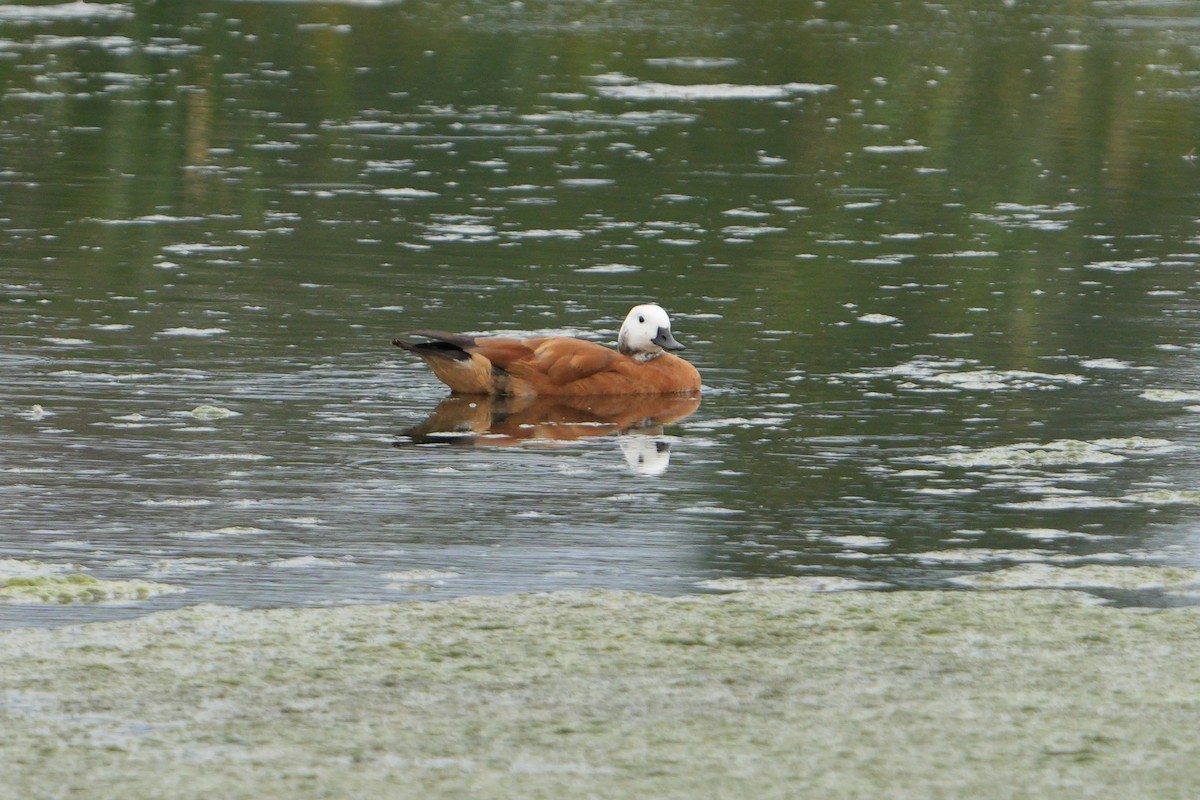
<point>437,344</point>
<point>454,365</point>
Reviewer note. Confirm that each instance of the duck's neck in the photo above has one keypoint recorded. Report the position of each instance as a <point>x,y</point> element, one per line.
<point>637,355</point>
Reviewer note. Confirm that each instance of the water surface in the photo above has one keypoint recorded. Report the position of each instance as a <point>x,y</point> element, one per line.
<point>936,265</point>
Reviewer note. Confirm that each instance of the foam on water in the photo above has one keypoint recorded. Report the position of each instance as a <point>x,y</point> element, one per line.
<point>1129,265</point>
<point>908,147</point>
<point>609,269</point>
<point>956,375</point>
<point>417,580</point>
<point>1171,395</point>
<point>202,248</point>
<point>694,62</point>
<point>308,562</point>
<point>58,12</point>
<point>1165,497</point>
<point>1053,534</point>
<point>1064,452</point>
<point>859,540</point>
<point>209,412</point>
<point>543,233</point>
<point>150,219</point>
<point>406,193</point>
<point>1061,503</point>
<point>1108,363</point>
<point>191,331</point>
<point>620,87</point>
<point>879,319</point>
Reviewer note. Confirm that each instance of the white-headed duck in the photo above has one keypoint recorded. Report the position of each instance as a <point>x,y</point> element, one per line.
<point>559,365</point>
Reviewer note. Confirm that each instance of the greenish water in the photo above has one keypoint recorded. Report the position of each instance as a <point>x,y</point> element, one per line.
<point>935,264</point>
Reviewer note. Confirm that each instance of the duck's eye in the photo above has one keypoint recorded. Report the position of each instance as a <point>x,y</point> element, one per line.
<point>641,319</point>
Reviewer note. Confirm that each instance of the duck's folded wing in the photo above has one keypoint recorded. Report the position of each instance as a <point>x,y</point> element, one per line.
<point>563,361</point>
<point>502,351</point>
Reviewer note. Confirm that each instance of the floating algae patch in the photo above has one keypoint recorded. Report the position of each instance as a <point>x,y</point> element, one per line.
<point>614,695</point>
<point>38,582</point>
<point>1088,576</point>
<point>79,588</point>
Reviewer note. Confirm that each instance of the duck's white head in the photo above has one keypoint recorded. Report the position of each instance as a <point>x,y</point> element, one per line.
<point>646,332</point>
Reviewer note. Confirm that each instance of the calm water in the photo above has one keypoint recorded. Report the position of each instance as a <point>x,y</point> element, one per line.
<point>937,265</point>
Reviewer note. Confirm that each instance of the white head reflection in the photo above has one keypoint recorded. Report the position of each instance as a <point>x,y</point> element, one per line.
<point>646,455</point>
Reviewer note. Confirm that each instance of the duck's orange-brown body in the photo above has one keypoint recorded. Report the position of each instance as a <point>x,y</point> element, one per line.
<point>544,366</point>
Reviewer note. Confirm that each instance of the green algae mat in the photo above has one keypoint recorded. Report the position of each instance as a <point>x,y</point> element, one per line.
<point>760,693</point>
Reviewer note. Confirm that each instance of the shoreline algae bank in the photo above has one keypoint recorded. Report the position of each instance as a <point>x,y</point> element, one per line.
<point>758,693</point>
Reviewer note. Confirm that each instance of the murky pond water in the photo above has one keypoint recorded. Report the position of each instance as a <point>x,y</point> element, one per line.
<point>935,263</point>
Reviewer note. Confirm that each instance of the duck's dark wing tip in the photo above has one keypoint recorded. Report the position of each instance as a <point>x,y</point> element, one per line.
<point>437,344</point>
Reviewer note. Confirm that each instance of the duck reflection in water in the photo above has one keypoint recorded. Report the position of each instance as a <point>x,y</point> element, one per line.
<point>483,421</point>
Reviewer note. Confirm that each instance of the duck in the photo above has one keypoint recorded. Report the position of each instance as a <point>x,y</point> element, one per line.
<point>643,363</point>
